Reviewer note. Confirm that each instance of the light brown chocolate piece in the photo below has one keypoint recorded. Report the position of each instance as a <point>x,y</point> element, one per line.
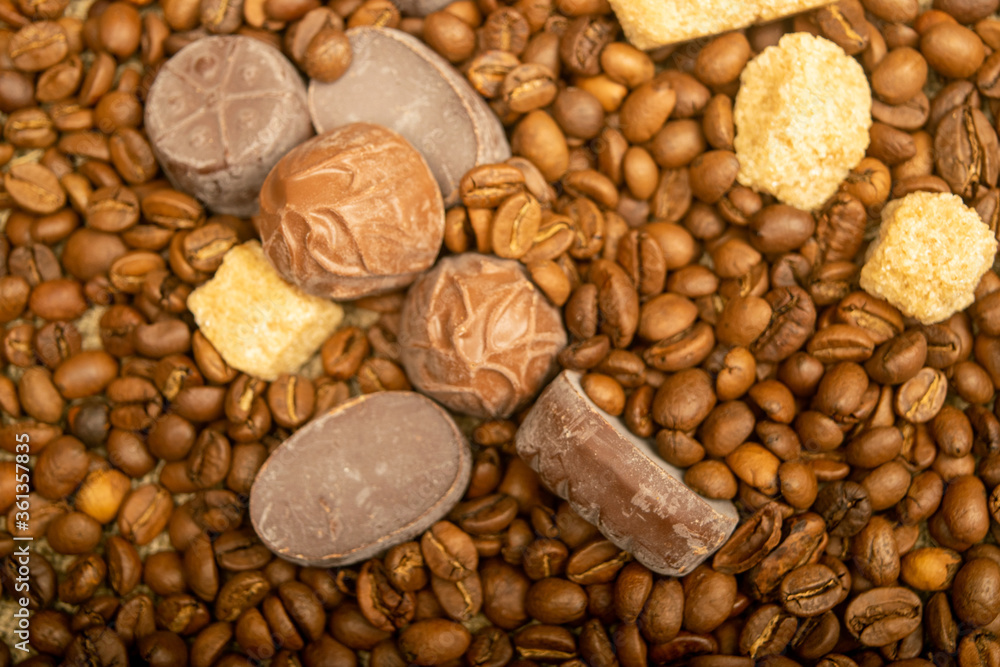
<point>259,323</point>
<point>397,81</point>
<point>371,473</point>
<point>220,114</point>
<point>478,336</point>
<point>351,213</point>
<point>615,480</point>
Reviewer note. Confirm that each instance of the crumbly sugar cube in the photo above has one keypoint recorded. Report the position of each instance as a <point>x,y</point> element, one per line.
<point>259,323</point>
<point>802,116</point>
<point>930,254</point>
<point>649,24</point>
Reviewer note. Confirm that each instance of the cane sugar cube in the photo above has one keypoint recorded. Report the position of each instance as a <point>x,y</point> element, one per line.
<point>259,323</point>
<point>930,254</point>
<point>802,116</point>
<point>649,24</point>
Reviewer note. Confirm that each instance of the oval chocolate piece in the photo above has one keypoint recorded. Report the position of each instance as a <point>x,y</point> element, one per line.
<point>616,481</point>
<point>373,472</point>
<point>396,81</point>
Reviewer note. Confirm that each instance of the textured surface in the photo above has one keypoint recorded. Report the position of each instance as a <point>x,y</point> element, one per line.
<point>928,258</point>
<point>260,324</point>
<point>652,23</point>
<point>373,472</point>
<point>478,336</point>
<point>351,213</point>
<point>802,116</point>
<point>397,81</point>
<point>220,114</point>
<point>615,481</point>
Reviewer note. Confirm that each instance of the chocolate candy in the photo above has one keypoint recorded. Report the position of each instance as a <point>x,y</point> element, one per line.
<point>371,473</point>
<point>351,213</point>
<point>221,112</point>
<point>616,481</point>
<point>478,336</point>
<point>395,80</point>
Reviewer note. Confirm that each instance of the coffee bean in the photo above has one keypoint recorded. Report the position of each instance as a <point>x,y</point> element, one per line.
<point>959,144</point>
<point>34,188</point>
<point>920,398</point>
<point>883,615</point>
<point>38,46</point>
<point>145,513</point>
<point>952,50</point>
<point>448,551</point>
<point>545,642</point>
<point>900,75</point>
<point>767,632</point>
<point>85,374</point>
<point>433,641</point>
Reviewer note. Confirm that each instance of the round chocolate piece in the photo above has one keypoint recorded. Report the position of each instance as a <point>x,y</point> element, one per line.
<point>478,336</point>
<point>373,472</point>
<point>220,114</point>
<point>351,213</point>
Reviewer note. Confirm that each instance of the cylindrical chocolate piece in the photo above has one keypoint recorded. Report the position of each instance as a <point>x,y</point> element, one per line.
<point>478,336</point>
<point>220,114</point>
<point>373,472</point>
<point>616,481</point>
<point>351,213</point>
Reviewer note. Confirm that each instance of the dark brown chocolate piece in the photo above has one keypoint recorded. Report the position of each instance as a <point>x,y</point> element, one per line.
<point>616,481</point>
<point>351,213</point>
<point>478,336</point>
<point>371,473</point>
<point>220,114</point>
<point>395,80</point>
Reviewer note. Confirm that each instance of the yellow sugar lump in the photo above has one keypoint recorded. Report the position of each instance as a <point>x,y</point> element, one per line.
<point>649,24</point>
<point>930,254</point>
<point>259,323</point>
<point>802,117</point>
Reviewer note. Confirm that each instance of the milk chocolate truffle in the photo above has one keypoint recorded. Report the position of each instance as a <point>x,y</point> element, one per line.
<point>220,114</point>
<point>397,81</point>
<point>373,472</point>
<point>614,480</point>
<point>478,336</point>
<point>351,213</point>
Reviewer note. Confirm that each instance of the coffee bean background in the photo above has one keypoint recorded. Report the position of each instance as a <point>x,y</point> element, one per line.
<point>861,447</point>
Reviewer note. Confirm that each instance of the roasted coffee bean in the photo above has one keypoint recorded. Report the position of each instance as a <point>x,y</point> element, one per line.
<point>448,551</point>
<point>433,641</point>
<point>145,513</point>
<point>965,146</point>
<point>545,643</point>
<point>767,632</point>
<point>883,615</point>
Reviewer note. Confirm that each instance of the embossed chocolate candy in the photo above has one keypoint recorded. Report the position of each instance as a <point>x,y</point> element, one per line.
<point>220,114</point>
<point>478,336</point>
<point>395,80</point>
<point>351,213</point>
<point>615,480</point>
<point>373,472</point>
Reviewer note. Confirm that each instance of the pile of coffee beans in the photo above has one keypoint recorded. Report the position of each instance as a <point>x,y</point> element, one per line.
<point>861,447</point>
